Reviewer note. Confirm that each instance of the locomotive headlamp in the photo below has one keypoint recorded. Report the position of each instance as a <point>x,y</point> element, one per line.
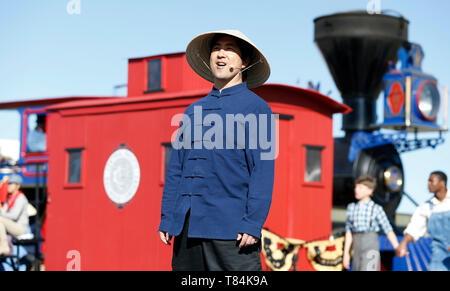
<point>428,100</point>
<point>412,98</point>
<point>393,178</point>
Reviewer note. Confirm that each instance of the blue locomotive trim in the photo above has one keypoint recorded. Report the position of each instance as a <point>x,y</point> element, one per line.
<point>424,96</point>
<point>363,140</point>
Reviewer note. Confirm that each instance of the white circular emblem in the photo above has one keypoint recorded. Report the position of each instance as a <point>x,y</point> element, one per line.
<point>121,176</point>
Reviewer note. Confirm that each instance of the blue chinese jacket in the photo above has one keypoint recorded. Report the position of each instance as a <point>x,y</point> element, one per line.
<point>228,189</point>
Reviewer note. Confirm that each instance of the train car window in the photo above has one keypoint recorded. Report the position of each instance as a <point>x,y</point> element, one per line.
<point>313,170</point>
<point>74,165</point>
<point>36,137</point>
<point>154,75</point>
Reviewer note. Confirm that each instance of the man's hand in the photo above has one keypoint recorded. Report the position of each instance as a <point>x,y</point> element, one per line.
<point>401,251</point>
<point>246,239</point>
<point>165,237</point>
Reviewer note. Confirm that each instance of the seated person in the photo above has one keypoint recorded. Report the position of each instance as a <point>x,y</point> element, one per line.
<point>13,214</point>
<point>37,140</point>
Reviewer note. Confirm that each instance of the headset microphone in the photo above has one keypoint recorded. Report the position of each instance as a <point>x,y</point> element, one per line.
<point>231,68</point>
<point>242,70</point>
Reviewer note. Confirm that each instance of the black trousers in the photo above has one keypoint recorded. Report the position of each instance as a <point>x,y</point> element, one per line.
<point>198,254</point>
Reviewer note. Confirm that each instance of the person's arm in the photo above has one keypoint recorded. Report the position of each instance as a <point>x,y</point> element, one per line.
<point>171,182</point>
<point>262,170</point>
<point>3,190</point>
<point>19,206</point>
<point>402,249</point>
<point>393,239</point>
<point>416,228</point>
<point>348,237</point>
<point>347,246</point>
<point>383,221</point>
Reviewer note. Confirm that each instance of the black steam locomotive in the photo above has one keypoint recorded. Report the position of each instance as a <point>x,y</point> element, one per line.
<point>359,49</point>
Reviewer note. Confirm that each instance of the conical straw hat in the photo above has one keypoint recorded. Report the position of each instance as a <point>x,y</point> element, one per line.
<point>198,53</point>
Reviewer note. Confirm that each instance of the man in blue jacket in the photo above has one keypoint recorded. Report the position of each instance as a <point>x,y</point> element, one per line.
<point>219,182</point>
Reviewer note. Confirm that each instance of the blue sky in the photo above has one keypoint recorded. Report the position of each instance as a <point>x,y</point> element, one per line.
<point>47,52</point>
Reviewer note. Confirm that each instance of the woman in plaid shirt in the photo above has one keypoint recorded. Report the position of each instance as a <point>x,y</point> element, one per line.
<point>364,220</point>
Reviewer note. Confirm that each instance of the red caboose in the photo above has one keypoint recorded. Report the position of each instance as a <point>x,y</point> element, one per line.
<point>108,159</point>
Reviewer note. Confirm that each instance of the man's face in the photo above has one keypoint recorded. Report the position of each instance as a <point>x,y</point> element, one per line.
<point>225,60</point>
<point>362,191</point>
<point>13,188</point>
<point>434,184</point>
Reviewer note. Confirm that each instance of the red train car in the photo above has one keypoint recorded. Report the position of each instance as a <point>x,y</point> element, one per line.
<point>108,159</point>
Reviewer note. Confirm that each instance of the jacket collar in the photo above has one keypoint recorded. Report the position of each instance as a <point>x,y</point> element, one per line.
<point>230,90</point>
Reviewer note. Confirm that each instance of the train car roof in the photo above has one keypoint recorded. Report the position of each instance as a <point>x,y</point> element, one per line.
<point>323,100</point>
<point>157,56</point>
<point>50,101</point>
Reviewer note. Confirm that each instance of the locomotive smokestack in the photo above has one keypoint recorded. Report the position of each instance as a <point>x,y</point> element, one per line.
<point>357,47</point>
